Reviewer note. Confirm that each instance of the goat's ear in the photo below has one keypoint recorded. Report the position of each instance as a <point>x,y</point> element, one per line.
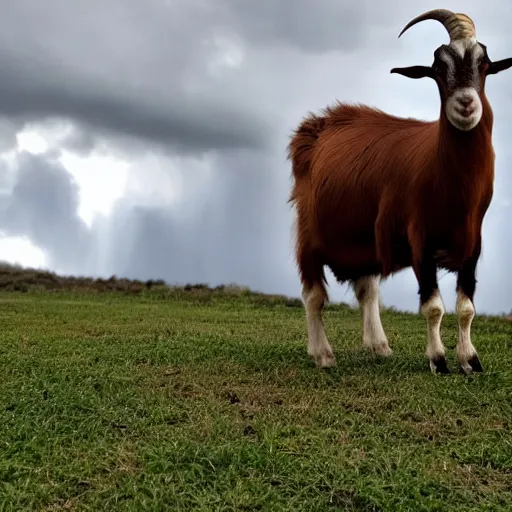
<point>415,71</point>
<point>499,65</point>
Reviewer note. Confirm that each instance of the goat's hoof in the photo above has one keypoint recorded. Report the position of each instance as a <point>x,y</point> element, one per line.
<point>325,360</point>
<point>473,365</point>
<point>439,365</point>
<point>379,349</point>
<point>383,350</point>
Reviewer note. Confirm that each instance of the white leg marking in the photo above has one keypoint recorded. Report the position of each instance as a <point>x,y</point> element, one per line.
<point>374,337</point>
<point>465,314</point>
<point>433,310</point>
<point>318,346</point>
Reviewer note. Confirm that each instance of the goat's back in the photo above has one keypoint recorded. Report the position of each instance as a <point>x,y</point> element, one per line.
<point>350,159</point>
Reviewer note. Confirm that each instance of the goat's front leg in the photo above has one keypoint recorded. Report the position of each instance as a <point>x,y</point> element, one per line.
<point>466,285</point>
<point>432,308</point>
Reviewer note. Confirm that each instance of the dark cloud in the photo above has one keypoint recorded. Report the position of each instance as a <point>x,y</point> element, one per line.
<point>184,124</point>
<point>141,71</point>
<point>6,176</point>
<point>8,130</point>
<point>319,27</point>
<point>43,206</point>
<point>185,73</point>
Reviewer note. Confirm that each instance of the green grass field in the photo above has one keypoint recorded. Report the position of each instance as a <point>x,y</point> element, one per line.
<point>208,401</point>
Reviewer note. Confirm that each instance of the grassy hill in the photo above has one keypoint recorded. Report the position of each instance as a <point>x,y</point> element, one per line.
<point>122,395</point>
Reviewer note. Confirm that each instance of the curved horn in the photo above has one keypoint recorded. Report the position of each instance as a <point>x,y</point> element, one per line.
<point>458,25</point>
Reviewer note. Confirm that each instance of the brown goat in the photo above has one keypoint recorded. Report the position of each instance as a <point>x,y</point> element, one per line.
<point>375,194</point>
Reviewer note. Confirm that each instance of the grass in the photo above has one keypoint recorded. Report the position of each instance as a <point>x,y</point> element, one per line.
<point>205,400</point>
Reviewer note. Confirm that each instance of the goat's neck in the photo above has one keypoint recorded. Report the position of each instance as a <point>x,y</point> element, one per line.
<point>462,155</point>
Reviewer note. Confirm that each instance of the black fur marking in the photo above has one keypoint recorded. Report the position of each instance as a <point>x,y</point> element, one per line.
<point>472,366</point>
<point>427,277</point>
<point>475,364</point>
<point>466,277</point>
<point>462,71</point>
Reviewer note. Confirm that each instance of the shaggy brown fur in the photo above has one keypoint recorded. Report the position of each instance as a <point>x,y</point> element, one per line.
<point>372,189</point>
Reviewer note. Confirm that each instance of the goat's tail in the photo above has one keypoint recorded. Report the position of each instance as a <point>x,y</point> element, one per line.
<point>302,145</point>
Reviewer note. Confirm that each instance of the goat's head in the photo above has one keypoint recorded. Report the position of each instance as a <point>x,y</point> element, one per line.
<point>459,68</point>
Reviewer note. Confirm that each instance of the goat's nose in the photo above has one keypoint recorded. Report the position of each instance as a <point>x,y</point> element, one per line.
<point>465,100</point>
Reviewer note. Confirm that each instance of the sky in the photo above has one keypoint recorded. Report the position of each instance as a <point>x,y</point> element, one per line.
<point>147,138</point>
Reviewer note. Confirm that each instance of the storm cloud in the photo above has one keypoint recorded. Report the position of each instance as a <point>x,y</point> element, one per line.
<point>198,99</point>
<point>43,206</point>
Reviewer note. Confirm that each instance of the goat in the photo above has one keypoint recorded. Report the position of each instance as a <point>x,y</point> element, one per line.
<point>375,194</point>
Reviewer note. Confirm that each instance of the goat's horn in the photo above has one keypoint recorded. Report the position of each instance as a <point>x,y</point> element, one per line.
<point>458,25</point>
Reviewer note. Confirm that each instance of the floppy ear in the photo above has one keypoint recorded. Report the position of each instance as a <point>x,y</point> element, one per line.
<point>415,71</point>
<point>499,65</point>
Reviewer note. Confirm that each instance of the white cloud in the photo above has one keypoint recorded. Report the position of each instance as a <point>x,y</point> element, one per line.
<point>101,180</point>
<point>31,141</point>
<point>19,250</point>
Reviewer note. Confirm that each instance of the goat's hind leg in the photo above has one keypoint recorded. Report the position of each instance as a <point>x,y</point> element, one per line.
<point>315,297</point>
<point>366,290</point>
